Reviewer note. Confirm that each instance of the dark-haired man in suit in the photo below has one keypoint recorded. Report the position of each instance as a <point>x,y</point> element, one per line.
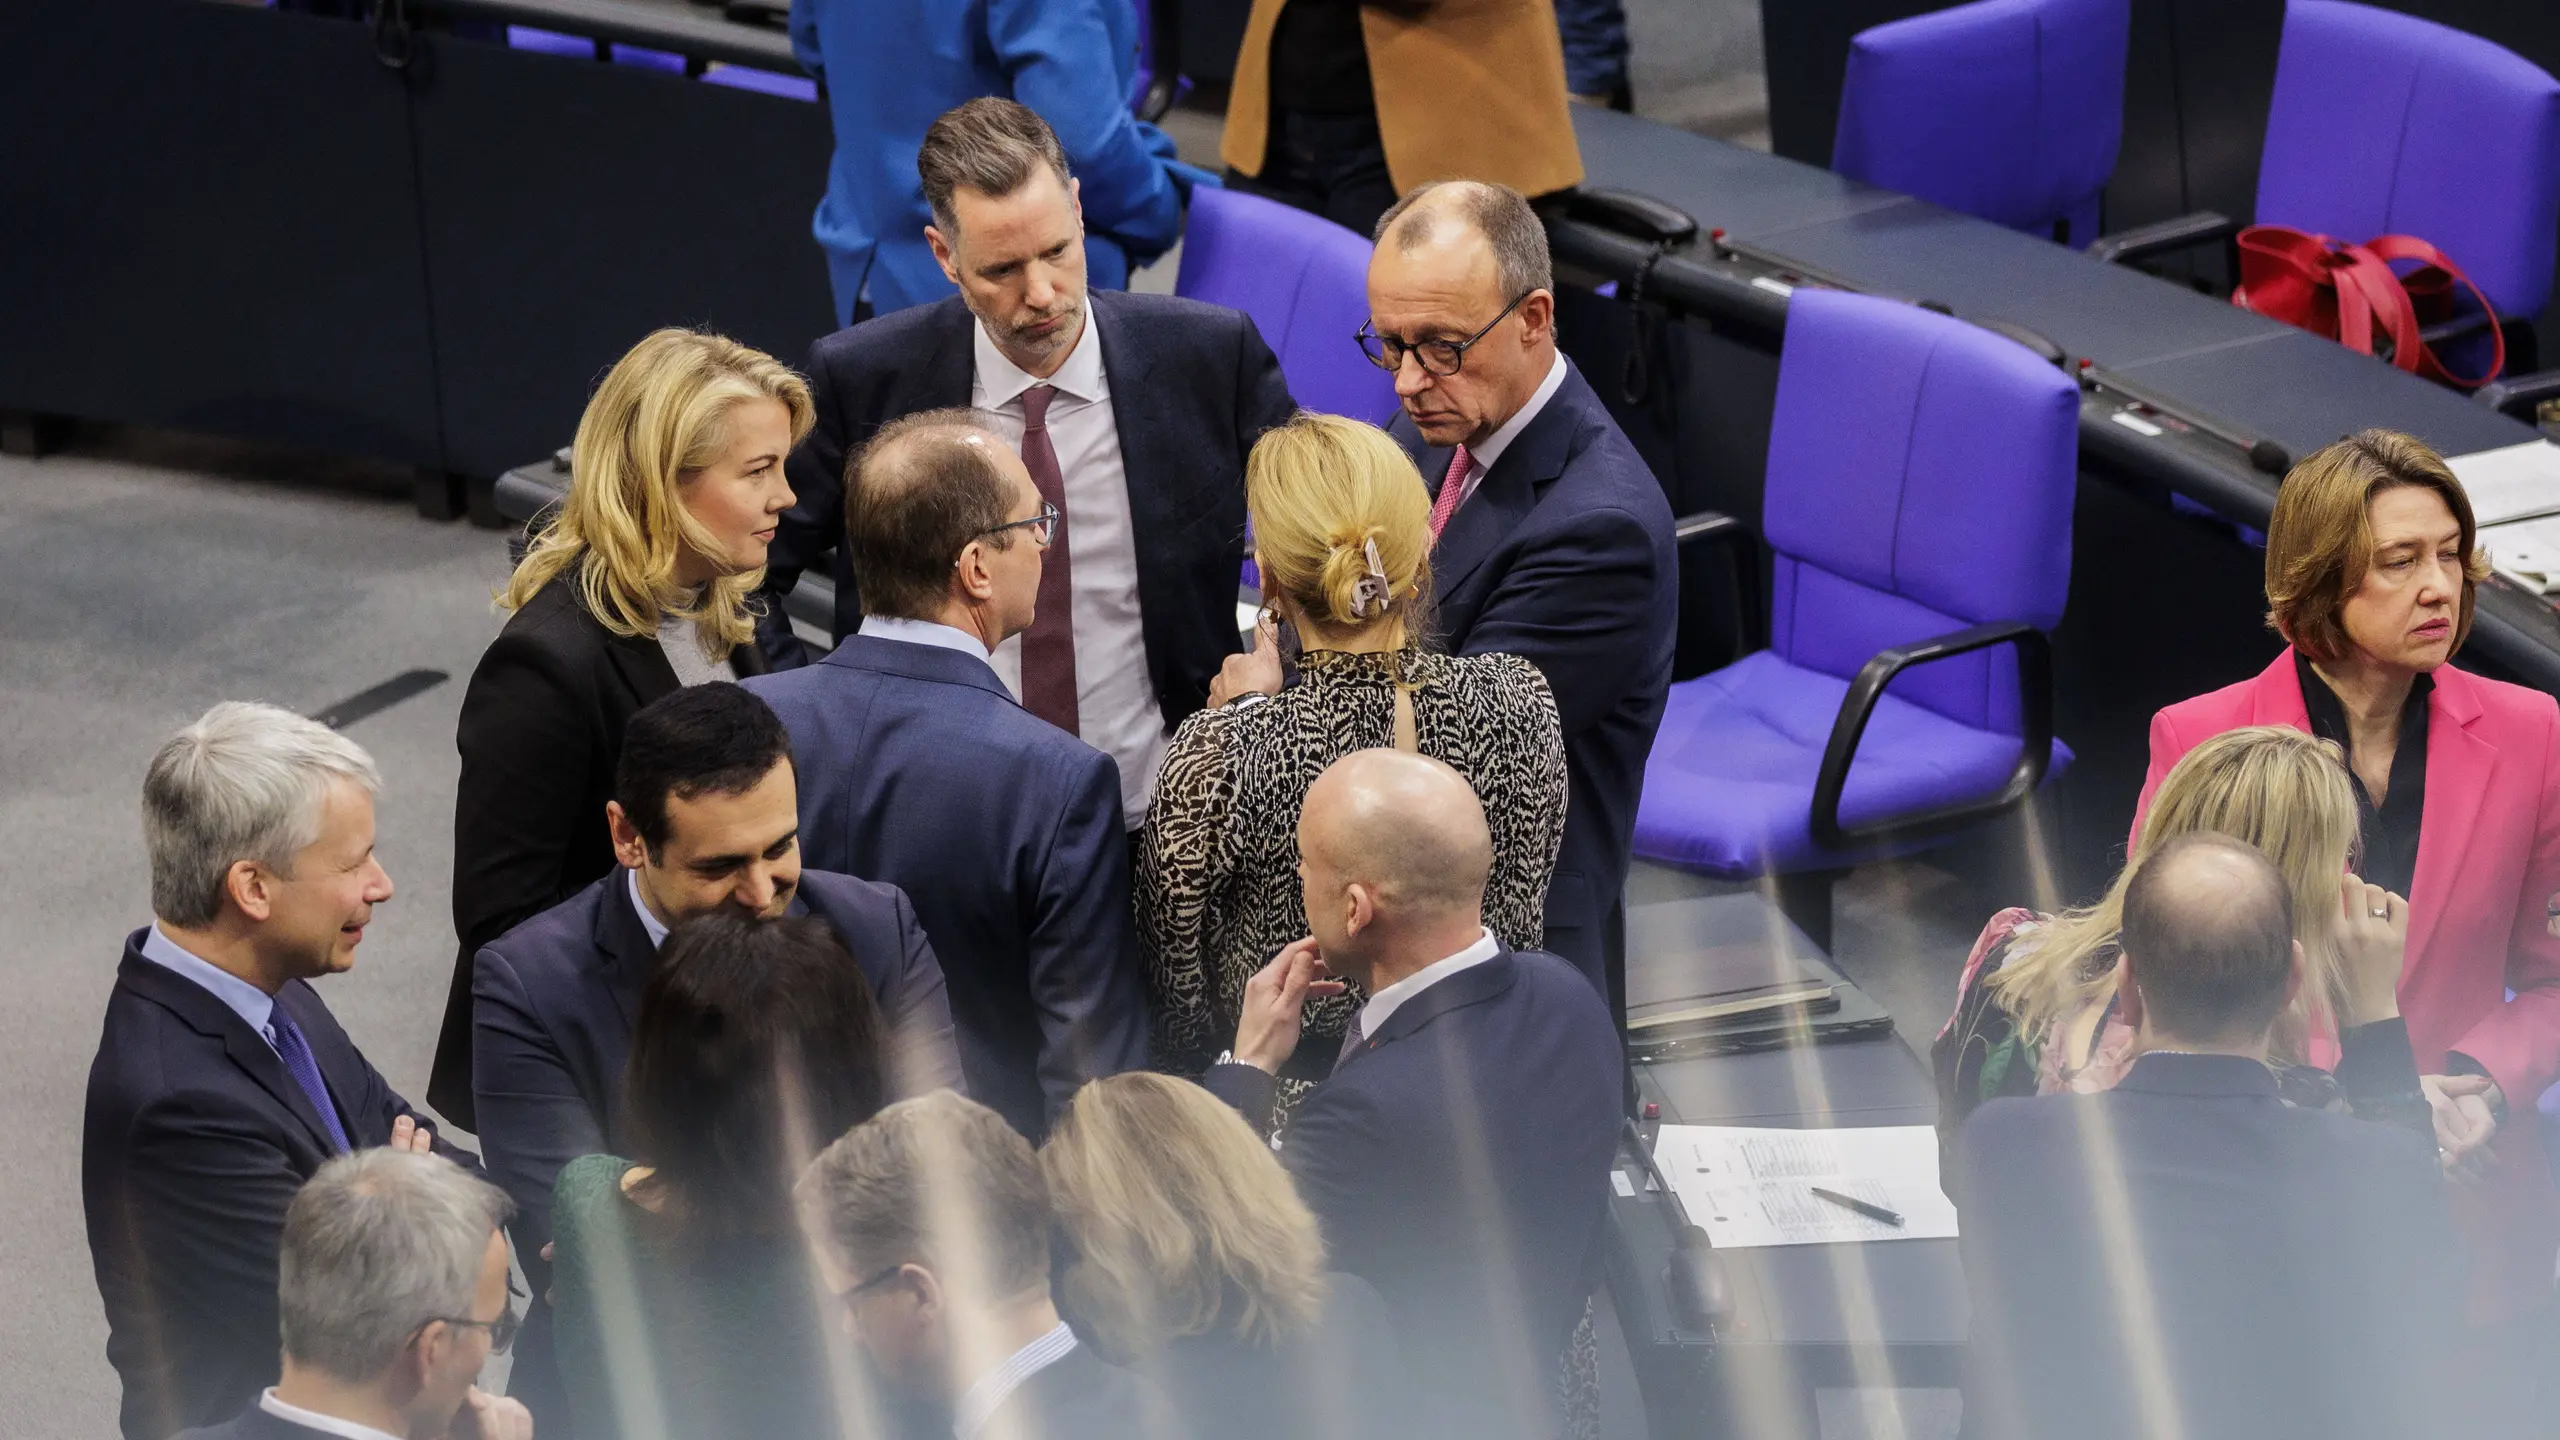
<point>2187,1254</point>
<point>918,768</point>
<point>1551,538</point>
<point>1458,1156</point>
<point>1132,412</point>
<point>222,1082</point>
<point>705,818</point>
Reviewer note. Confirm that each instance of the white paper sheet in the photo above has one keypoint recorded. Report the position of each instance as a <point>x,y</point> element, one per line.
<point>2511,482</point>
<point>1752,1188</point>
<point>2525,551</point>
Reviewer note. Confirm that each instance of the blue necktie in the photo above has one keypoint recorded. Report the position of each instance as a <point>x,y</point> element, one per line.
<point>296,1054</point>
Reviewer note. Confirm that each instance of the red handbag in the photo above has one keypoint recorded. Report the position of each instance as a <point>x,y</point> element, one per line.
<point>2349,293</point>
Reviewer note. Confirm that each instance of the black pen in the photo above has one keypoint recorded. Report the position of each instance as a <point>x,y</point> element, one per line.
<point>1876,1213</point>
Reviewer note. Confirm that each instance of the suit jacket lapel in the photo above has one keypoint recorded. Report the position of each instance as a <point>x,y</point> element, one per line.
<point>624,943</point>
<point>343,1083</point>
<point>951,370</point>
<point>1154,510</point>
<point>208,1016</point>
<point>2460,767</point>
<point>2275,698</point>
<point>642,663</point>
<point>1509,490</point>
<point>1473,985</point>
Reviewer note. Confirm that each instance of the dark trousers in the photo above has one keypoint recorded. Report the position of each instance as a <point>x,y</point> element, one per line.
<point>1330,165</point>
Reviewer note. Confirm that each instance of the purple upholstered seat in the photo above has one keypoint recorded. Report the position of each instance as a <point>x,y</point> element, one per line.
<point>1920,483</point>
<point>763,82</point>
<point>1305,282</point>
<point>2384,124</point>
<point>2005,109</point>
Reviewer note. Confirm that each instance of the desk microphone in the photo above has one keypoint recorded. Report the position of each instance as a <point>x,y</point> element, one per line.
<point>1701,1292</point>
<point>2265,456</point>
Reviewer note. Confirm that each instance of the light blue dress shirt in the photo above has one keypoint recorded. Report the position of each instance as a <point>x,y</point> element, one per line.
<point>246,1000</point>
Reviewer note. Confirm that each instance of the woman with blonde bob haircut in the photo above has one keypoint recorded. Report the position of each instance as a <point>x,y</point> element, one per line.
<point>2035,1008</point>
<point>1190,1258</point>
<point>639,585</point>
<point>2373,567</point>
<point>1342,533</point>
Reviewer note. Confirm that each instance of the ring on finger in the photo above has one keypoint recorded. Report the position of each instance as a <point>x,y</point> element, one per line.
<point>2380,912</point>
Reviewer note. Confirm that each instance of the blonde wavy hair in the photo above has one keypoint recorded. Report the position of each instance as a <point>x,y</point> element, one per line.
<point>1182,1220</point>
<point>660,417</point>
<point>2272,786</point>
<point>1320,490</point>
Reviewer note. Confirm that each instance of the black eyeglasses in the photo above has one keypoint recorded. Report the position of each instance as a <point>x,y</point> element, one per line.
<point>502,1331</point>
<point>862,1287</point>
<point>1438,357</point>
<point>1043,526</point>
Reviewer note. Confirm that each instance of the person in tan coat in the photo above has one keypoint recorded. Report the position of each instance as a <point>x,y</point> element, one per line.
<point>1338,106</point>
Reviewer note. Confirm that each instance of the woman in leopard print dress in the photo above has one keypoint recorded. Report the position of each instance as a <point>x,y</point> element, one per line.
<point>1342,534</point>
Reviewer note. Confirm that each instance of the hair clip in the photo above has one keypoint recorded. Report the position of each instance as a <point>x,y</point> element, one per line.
<point>1372,589</point>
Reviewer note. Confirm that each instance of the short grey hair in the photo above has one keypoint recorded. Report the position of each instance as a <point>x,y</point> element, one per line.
<point>939,1181</point>
<point>244,782</point>
<point>377,1244</point>
<point>1497,212</point>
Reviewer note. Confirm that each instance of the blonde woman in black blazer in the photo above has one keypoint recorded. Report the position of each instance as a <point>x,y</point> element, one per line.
<point>641,585</point>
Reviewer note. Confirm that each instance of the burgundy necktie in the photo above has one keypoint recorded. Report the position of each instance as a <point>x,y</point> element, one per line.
<point>1452,486</point>
<point>1049,646</point>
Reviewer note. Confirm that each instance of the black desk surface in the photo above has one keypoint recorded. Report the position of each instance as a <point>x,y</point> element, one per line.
<point>677,25</point>
<point>1887,1295</point>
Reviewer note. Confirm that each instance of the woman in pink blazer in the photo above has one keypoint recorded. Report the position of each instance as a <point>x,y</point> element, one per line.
<point>2371,566</point>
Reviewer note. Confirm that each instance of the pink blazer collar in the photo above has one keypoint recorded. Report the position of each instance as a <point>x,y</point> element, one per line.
<point>2459,766</point>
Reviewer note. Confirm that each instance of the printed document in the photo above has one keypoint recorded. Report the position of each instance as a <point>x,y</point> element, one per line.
<point>1751,1188</point>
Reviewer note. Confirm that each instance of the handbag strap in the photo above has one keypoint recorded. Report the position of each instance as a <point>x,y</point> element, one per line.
<point>2409,247</point>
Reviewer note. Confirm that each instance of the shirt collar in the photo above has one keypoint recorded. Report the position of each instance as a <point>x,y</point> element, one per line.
<point>2179,1072</point>
<point>1383,1005</point>
<point>923,632</point>
<point>1003,382</point>
<point>314,1420</point>
<point>246,1000</point>
<point>648,918</point>
<point>987,1394</point>
<point>1500,440</point>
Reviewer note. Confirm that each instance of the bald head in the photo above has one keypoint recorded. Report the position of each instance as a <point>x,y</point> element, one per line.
<point>1407,826</point>
<point>2208,933</point>
<point>923,488</point>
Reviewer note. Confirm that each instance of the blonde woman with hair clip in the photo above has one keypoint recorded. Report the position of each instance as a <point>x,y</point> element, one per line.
<point>1342,535</point>
<point>640,585</point>
<point>2035,1009</point>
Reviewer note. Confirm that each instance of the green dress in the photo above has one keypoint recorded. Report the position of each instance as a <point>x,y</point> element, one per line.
<point>661,1336</point>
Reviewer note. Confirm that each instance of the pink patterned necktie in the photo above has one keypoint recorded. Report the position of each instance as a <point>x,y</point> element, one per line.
<point>1452,486</point>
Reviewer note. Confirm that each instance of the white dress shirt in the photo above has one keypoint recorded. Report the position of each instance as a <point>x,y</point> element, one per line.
<point>988,1392</point>
<point>1386,1002</point>
<point>1481,457</point>
<point>649,920</point>
<point>1116,708</point>
<point>314,1420</point>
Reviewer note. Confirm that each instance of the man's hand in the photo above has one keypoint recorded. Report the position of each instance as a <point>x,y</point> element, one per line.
<point>1256,671</point>
<point>484,1416</point>
<point>2370,949</point>
<point>409,1135</point>
<point>2465,1118</point>
<point>1274,1003</point>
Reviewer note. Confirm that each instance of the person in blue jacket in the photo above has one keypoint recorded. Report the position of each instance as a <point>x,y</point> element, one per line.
<point>888,67</point>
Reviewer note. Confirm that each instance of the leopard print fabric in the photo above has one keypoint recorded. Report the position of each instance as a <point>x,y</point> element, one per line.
<point>1217,865</point>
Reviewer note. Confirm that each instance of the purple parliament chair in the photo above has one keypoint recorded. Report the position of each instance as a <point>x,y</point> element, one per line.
<point>1919,494</point>
<point>2009,110</point>
<point>1305,282</point>
<point>2385,124</point>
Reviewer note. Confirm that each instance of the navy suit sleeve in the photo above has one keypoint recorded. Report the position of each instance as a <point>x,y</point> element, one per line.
<point>1336,1148</point>
<point>208,1186</point>
<point>815,522</point>
<point>533,1120</point>
<point>1263,403</point>
<point>521,801</point>
<point>1059,55</point>
<point>924,1050</point>
<point>1246,1087</point>
<point>1085,983</point>
<point>1579,607</point>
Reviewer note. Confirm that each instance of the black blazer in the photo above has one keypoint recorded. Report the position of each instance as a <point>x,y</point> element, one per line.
<point>918,770</point>
<point>194,1142</point>
<point>1459,1162</point>
<point>541,732</point>
<point>1080,1396</point>
<point>1564,556</point>
<point>2297,1271</point>
<point>256,1424</point>
<point>1342,1380</point>
<point>555,998</point>
<point>1192,387</point>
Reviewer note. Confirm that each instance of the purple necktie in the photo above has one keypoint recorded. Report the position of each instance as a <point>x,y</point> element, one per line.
<point>1049,646</point>
<point>295,1052</point>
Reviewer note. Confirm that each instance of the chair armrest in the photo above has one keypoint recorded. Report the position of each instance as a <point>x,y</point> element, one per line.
<point>1707,525</point>
<point>2163,237</point>
<point>2035,699</point>
<point>2517,395</point>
